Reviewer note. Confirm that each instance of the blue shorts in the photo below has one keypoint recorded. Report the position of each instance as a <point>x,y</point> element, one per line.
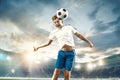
<point>65,60</point>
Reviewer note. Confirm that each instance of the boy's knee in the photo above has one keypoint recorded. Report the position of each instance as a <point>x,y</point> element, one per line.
<point>67,75</point>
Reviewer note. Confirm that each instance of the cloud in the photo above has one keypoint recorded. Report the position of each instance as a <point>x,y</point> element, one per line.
<point>48,2</point>
<point>99,26</point>
<point>92,15</point>
<point>103,41</point>
<point>25,21</point>
<point>106,21</point>
<point>33,20</point>
<point>23,13</point>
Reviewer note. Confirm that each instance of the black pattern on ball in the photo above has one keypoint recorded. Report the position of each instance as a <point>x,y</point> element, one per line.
<point>60,18</point>
<point>64,10</point>
<point>65,16</point>
<point>59,13</point>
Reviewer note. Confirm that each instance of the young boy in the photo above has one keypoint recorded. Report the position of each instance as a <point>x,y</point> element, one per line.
<point>66,54</point>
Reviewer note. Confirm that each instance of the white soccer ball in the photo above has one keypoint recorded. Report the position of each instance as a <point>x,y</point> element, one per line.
<point>62,13</point>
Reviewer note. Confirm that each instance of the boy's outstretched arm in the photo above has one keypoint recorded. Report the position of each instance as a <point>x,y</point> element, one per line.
<point>43,45</point>
<point>83,38</point>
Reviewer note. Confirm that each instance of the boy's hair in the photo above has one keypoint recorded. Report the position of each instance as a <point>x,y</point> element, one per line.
<point>54,17</point>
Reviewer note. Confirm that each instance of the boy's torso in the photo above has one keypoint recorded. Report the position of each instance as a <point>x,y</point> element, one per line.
<point>65,38</point>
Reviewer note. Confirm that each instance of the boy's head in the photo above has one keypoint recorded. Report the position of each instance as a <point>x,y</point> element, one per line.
<point>57,22</point>
<point>54,17</point>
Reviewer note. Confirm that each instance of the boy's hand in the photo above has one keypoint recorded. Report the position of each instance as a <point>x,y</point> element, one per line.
<point>35,48</point>
<point>91,45</point>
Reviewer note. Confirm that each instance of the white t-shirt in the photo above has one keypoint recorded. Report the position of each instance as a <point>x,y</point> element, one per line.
<point>64,35</point>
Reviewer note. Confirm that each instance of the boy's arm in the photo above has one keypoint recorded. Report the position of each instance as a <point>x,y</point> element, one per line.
<point>43,45</point>
<point>83,38</point>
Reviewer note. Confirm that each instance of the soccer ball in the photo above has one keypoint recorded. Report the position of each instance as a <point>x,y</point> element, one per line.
<point>62,13</point>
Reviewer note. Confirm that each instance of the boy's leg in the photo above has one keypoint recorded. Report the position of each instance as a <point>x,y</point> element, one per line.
<point>56,74</point>
<point>67,75</point>
<point>68,64</point>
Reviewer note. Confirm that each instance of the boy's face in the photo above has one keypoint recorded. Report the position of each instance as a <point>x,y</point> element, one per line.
<point>58,23</point>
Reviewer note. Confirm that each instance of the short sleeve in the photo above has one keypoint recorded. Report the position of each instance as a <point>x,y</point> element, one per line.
<point>51,36</point>
<point>73,29</point>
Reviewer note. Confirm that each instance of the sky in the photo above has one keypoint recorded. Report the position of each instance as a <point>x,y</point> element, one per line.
<point>26,23</point>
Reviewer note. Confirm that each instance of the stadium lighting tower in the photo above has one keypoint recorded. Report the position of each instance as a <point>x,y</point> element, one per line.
<point>89,66</point>
<point>13,71</point>
<point>77,66</point>
<point>8,58</point>
<point>100,62</point>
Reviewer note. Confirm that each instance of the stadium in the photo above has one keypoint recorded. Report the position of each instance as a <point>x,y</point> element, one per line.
<point>27,23</point>
<point>11,68</point>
